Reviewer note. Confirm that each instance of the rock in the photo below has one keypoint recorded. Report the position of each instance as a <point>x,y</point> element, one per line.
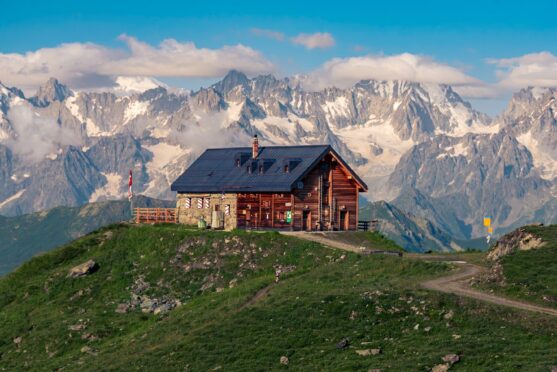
<point>353,315</point>
<point>374,370</point>
<point>18,341</point>
<point>427,329</point>
<point>451,358</point>
<point>554,369</point>
<point>441,368</point>
<point>76,327</point>
<point>343,344</point>
<point>449,315</point>
<point>232,283</point>
<point>89,337</point>
<point>456,337</point>
<point>284,360</point>
<point>416,327</point>
<point>122,308</point>
<point>164,308</point>
<point>367,352</point>
<point>85,268</point>
<point>88,350</point>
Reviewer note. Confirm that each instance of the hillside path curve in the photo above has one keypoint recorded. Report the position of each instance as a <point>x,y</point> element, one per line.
<point>456,283</point>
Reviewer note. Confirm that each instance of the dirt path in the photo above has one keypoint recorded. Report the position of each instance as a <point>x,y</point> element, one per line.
<point>257,296</point>
<point>456,283</point>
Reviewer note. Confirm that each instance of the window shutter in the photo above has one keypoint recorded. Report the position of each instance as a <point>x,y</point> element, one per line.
<point>199,203</point>
<point>188,203</point>
<point>206,202</point>
<point>227,209</point>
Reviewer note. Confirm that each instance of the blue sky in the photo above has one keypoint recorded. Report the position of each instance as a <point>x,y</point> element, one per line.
<point>461,35</point>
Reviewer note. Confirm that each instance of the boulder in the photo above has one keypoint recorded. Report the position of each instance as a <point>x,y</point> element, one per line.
<point>284,360</point>
<point>367,352</point>
<point>441,368</point>
<point>85,268</point>
<point>18,341</point>
<point>451,358</point>
<point>343,344</point>
<point>76,327</point>
<point>122,308</point>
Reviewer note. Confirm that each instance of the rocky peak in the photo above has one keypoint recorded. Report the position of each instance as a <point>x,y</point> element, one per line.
<point>51,91</point>
<point>230,81</point>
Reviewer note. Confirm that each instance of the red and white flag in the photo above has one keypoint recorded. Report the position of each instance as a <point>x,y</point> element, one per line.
<point>130,183</point>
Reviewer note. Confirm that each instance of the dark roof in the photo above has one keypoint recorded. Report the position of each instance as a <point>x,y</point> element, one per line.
<point>216,169</point>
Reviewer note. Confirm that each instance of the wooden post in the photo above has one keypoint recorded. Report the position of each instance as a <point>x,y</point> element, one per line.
<point>357,207</point>
<point>272,210</point>
<point>259,216</point>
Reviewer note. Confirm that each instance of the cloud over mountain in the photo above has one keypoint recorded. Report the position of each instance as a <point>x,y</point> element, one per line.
<point>345,72</point>
<point>91,66</point>
<point>534,69</point>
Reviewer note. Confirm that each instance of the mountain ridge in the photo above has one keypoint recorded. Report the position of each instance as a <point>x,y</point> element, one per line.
<point>377,126</point>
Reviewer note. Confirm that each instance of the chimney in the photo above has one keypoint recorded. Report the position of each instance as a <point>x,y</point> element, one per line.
<point>255,147</point>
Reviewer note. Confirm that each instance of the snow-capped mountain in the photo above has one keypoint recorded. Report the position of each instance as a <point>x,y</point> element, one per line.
<point>63,147</point>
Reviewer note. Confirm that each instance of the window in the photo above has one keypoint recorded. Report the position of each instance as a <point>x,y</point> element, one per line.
<point>227,209</point>
<point>187,203</point>
<point>238,162</point>
<point>206,202</point>
<point>260,169</point>
<point>286,168</point>
<point>199,203</point>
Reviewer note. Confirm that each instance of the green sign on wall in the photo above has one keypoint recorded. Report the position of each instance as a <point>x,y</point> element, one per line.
<point>288,216</point>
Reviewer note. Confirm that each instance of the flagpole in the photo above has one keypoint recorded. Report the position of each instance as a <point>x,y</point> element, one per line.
<point>130,193</point>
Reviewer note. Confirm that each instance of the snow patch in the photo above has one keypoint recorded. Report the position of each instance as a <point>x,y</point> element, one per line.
<point>111,190</point>
<point>541,156</point>
<point>135,109</point>
<point>160,167</point>
<point>15,196</point>
<point>136,84</point>
<point>74,108</point>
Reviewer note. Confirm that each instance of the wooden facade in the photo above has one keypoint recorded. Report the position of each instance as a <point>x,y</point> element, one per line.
<point>286,187</point>
<point>327,200</point>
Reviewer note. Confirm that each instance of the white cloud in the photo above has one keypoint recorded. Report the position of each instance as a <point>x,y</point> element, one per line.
<point>535,69</point>
<point>276,35</point>
<point>90,66</point>
<point>37,137</point>
<point>321,40</point>
<point>345,72</point>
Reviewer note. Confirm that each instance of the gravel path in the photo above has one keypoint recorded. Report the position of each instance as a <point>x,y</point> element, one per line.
<point>455,283</point>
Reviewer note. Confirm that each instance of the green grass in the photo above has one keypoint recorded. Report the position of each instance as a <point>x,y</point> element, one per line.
<point>302,317</point>
<point>532,275</point>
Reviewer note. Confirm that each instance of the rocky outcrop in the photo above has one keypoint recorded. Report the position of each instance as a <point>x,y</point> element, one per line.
<point>85,268</point>
<point>518,240</point>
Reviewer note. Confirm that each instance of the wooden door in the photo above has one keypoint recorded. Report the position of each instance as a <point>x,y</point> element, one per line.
<point>306,220</point>
<point>266,210</point>
<point>344,221</point>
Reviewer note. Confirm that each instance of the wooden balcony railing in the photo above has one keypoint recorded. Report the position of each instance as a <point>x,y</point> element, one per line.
<point>155,215</point>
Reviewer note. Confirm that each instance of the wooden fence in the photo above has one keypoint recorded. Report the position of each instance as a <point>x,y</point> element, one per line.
<point>372,225</point>
<point>155,215</point>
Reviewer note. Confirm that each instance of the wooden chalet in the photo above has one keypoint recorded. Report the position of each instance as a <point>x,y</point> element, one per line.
<point>274,187</point>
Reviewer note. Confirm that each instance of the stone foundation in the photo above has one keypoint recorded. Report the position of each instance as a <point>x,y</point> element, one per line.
<point>191,215</point>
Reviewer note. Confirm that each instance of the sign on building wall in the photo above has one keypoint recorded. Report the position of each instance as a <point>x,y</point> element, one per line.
<point>288,216</point>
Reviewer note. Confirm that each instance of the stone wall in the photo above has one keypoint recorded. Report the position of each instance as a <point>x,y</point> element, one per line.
<point>191,215</point>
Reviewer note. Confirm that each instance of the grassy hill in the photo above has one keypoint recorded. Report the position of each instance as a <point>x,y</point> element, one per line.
<point>221,310</point>
<point>24,236</point>
<point>528,269</point>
